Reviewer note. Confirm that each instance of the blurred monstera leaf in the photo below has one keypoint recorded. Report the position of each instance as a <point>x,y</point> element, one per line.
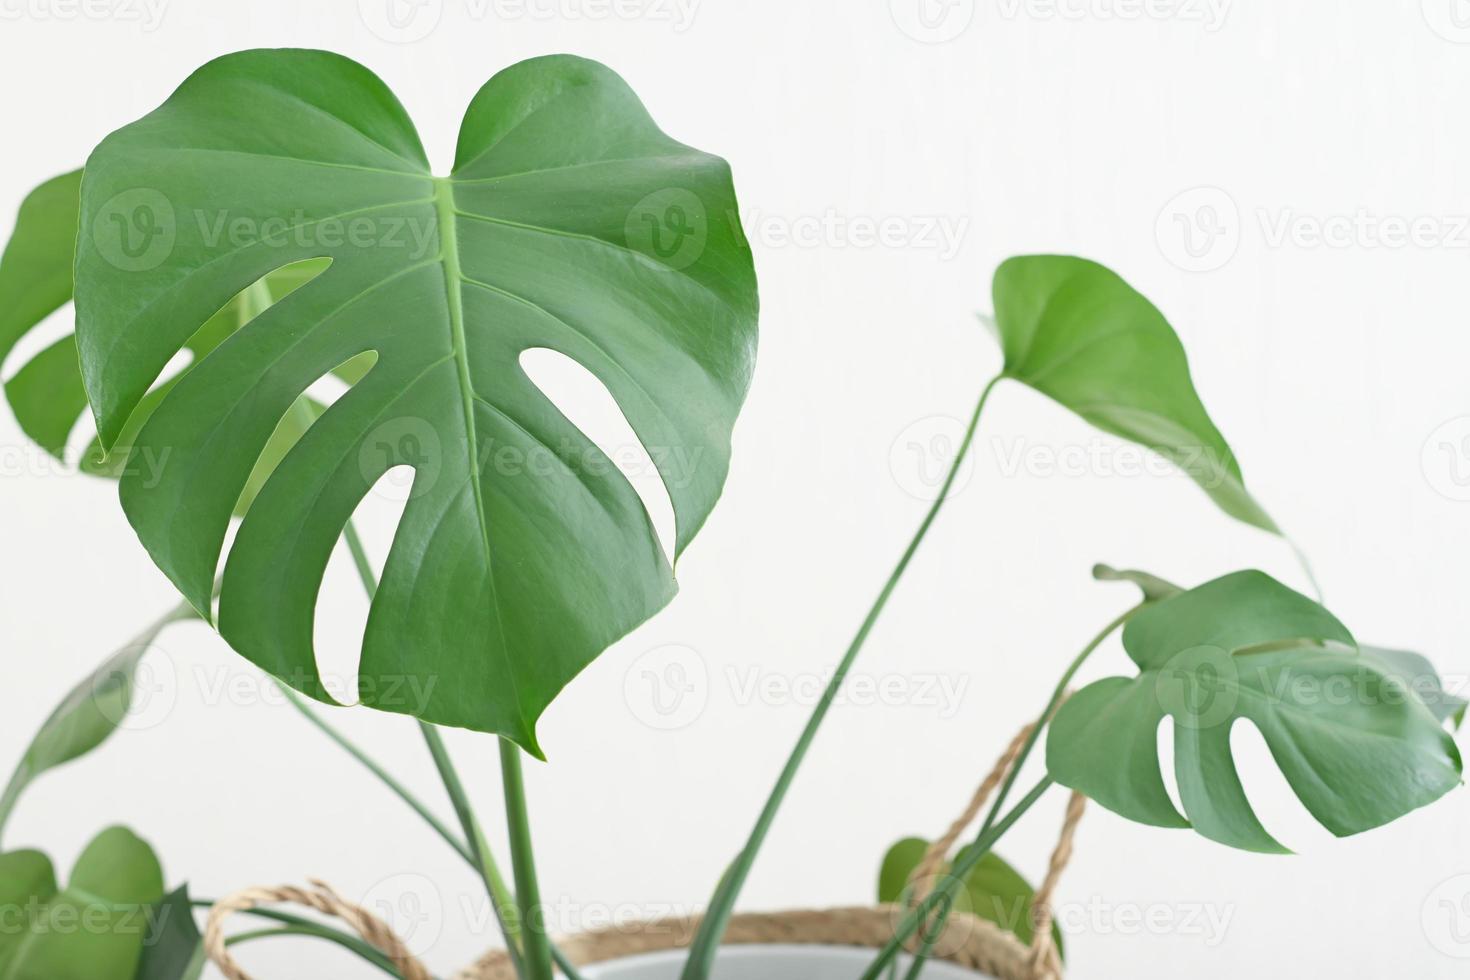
<point>46,392</point>
<point>94,928</point>
<point>570,223</point>
<point>993,890</point>
<point>87,716</point>
<point>1076,332</point>
<point>1356,745</point>
<point>1419,676</point>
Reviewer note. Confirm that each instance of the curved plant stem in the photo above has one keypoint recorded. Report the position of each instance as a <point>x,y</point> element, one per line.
<point>502,900</point>
<point>536,949</point>
<point>1051,706</point>
<point>298,924</point>
<point>945,890</point>
<point>383,775</point>
<point>1057,694</point>
<point>722,904</point>
<point>359,947</point>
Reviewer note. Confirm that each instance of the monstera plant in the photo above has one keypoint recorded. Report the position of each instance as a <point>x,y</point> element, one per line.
<point>275,225</point>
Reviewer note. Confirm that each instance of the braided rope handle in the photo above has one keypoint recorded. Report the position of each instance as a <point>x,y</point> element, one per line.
<point>1044,959</point>
<point>320,897</point>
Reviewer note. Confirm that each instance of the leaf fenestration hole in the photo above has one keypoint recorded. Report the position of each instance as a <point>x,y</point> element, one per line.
<point>1165,742</point>
<point>342,602</point>
<point>586,402</point>
<point>1265,786</point>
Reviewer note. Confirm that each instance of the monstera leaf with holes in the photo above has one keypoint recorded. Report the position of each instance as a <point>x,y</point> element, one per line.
<point>570,222</point>
<point>1358,748</point>
<point>46,392</point>
<point>1076,332</point>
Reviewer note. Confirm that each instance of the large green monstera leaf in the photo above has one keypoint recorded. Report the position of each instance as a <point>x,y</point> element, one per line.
<point>1357,746</point>
<point>570,223</point>
<point>1076,332</point>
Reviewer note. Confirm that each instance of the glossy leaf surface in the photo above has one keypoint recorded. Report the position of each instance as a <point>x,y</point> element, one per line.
<point>1076,332</point>
<point>46,392</point>
<point>570,222</point>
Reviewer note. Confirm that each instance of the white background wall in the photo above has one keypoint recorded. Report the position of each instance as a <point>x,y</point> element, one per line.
<point>1337,371</point>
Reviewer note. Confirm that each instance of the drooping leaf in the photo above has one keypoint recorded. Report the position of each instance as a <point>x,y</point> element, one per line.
<point>1153,588</point>
<point>1418,675</point>
<point>1076,332</point>
<point>46,393</point>
<point>994,890</point>
<point>570,222</point>
<point>173,949</point>
<point>94,928</point>
<point>88,714</point>
<point>1356,747</point>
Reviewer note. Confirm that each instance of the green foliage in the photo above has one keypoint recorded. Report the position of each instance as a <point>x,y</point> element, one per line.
<point>570,222</point>
<point>95,927</point>
<point>46,393</point>
<point>993,890</point>
<point>1418,675</point>
<point>1357,748</point>
<point>88,714</point>
<point>174,949</point>
<point>1076,332</point>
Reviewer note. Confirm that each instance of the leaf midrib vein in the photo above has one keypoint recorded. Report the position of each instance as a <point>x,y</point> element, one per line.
<point>454,294</point>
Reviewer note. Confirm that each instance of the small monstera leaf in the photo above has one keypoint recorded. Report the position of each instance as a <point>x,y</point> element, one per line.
<point>994,890</point>
<point>1076,332</point>
<point>85,718</point>
<point>570,223</point>
<point>46,393</point>
<point>1356,746</point>
<point>95,927</point>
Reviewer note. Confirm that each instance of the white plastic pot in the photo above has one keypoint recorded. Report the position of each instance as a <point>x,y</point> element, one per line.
<point>760,962</point>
